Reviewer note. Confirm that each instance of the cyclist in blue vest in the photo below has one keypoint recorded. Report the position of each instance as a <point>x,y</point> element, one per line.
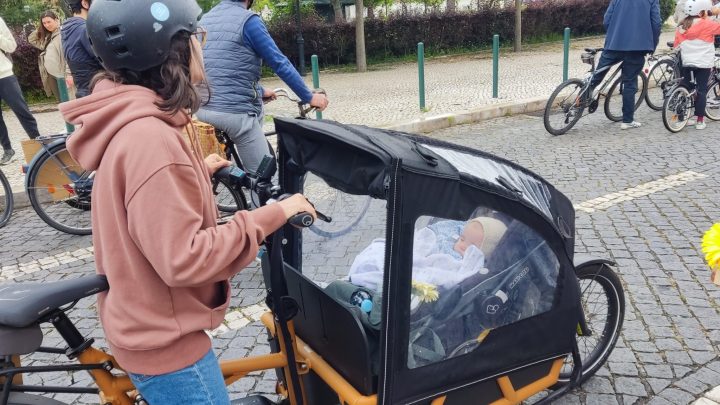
<point>237,43</point>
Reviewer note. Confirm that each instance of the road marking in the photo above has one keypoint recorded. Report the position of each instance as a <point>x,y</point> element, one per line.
<point>46,263</point>
<point>645,189</point>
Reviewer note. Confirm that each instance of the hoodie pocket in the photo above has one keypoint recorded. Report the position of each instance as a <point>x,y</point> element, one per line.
<point>217,315</point>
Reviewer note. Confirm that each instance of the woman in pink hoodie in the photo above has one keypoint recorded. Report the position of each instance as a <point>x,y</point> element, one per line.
<point>153,211</point>
<point>695,37</point>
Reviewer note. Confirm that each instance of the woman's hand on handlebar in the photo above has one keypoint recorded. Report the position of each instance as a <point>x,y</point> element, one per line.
<point>296,204</point>
<point>319,101</point>
<point>215,162</point>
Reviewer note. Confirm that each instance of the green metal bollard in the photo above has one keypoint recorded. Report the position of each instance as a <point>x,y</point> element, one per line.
<point>316,79</point>
<point>496,56</point>
<point>64,96</point>
<point>566,52</point>
<point>421,74</point>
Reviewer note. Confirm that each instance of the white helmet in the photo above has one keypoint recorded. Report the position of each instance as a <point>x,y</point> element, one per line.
<point>694,7</point>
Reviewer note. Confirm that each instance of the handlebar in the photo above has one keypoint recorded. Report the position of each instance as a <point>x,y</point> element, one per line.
<point>303,108</point>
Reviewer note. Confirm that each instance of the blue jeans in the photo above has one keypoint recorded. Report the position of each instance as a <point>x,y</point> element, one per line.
<point>200,383</point>
<point>632,64</point>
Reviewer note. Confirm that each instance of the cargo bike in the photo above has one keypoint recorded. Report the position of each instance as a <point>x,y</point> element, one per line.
<point>458,286</point>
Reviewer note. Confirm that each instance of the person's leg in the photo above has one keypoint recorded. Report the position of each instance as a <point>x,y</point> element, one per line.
<point>245,130</point>
<point>607,59</point>
<point>10,92</point>
<point>201,383</point>
<point>632,65</point>
<point>701,77</point>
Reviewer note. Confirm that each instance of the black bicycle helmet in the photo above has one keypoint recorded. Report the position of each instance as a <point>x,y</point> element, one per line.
<point>136,34</point>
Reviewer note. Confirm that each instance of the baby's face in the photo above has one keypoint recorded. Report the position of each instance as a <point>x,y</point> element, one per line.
<point>473,234</point>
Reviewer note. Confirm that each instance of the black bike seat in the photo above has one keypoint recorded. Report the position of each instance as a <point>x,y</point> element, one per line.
<point>671,44</point>
<point>23,304</point>
<point>593,50</point>
<point>252,400</point>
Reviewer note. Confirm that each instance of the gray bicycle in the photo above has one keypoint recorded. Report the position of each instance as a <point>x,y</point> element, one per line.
<point>570,99</point>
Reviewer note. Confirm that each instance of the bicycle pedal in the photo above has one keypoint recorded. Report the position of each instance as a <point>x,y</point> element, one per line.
<point>593,106</point>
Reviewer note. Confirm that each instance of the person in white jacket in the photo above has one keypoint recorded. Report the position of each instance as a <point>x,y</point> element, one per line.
<point>11,95</point>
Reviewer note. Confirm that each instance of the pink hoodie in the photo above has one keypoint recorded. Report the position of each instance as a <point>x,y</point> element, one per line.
<point>154,229</point>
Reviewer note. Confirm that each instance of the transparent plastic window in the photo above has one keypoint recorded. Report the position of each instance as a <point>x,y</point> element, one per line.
<point>470,277</point>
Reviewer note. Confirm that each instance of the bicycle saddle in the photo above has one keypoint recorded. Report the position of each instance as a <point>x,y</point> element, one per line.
<point>252,400</point>
<point>23,304</point>
<point>593,50</point>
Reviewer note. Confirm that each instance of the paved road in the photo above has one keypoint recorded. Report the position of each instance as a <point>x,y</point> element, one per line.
<point>643,198</point>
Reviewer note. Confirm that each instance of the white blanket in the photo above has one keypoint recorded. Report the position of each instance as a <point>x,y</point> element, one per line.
<point>430,265</point>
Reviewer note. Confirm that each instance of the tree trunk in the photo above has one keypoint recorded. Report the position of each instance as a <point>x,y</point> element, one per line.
<point>451,6</point>
<point>337,8</point>
<point>360,36</point>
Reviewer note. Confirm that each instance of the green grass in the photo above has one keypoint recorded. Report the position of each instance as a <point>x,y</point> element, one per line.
<point>36,96</point>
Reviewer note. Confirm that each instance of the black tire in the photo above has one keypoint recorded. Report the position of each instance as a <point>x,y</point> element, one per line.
<point>564,107</point>
<point>604,319</point>
<point>712,108</point>
<point>228,199</point>
<point>613,100</point>
<point>676,109</point>
<point>6,200</point>
<point>61,202</point>
<point>346,210</point>
<point>659,79</point>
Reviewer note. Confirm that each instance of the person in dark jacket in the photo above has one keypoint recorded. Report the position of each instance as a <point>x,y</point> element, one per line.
<point>79,55</point>
<point>237,43</point>
<point>633,30</point>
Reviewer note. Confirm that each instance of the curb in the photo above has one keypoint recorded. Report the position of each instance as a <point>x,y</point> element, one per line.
<point>423,125</point>
<point>448,120</point>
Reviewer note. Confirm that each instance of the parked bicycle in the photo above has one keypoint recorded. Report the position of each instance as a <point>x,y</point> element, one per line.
<point>336,205</point>
<point>58,188</point>
<point>679,105</point>
<point>570,99</point>
<point>666,67</point>
<point>6,200</point>
<point>484,327</point>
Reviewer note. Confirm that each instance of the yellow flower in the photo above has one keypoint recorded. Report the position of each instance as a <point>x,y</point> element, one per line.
<point>425,292</point>
<point>711,247</point>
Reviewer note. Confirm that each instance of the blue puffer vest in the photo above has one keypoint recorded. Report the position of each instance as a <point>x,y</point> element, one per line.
<point>232,68</point>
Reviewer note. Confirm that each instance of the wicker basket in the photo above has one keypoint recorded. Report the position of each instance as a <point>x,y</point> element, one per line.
<point>206,138</point>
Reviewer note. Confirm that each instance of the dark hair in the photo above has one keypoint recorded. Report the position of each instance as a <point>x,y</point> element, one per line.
<point>43,33</point>
<point>76,5</point>
<point>170,80</point>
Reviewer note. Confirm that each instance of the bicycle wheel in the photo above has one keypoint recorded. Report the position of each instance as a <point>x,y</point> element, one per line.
<point>613,100</point>
<point>346,210</point>
<point>59,190</point>
<point>6,200</point>
<point>712,107</point>
<point>658,78</point>
<point>228,200</point>
<point>564,107</point>
<point>676,109</point>
<point>603,303</point>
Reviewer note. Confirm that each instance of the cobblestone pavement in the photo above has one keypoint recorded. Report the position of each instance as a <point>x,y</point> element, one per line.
<point>643,198</point>
<point>389,95</point>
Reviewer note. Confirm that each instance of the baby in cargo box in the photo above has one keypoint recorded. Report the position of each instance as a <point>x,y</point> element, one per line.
<point>444,253</point>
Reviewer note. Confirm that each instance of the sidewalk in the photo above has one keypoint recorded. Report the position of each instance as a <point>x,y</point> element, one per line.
<point>458,90</point>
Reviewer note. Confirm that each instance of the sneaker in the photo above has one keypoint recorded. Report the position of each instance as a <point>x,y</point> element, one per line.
<point>692,121</point>
<point>700,125</point>
<point>7,156</point>
<point>630,125</point>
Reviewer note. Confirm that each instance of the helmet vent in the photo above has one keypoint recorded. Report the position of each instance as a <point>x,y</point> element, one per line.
<point>122,51</point>
<point>113,32</point>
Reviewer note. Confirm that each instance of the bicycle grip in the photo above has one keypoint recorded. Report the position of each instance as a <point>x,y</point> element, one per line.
<point>301,220</point>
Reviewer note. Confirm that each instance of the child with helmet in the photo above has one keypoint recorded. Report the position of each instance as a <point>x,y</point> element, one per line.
<point>695,38</point>
<point>155,228</point>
